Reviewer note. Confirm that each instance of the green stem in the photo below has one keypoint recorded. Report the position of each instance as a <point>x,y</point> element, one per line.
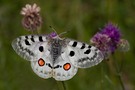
<point>101,82</point>
<point>119,72</point>
<point>61,85</point>
<point>64,86</point>
<point>121,82</point>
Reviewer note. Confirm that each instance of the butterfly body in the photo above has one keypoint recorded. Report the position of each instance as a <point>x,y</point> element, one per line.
<point>52,56</point>
<point>56,46</point>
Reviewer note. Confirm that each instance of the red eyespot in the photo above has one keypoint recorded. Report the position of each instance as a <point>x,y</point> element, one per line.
<point>41,62</point>
<point>67,66</point>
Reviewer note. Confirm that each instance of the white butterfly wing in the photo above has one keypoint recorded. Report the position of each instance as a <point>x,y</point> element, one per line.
<point>83,55</point>
<point>36,48</point>
<point>26,46</point>
<point>42,66</point>
<point>66,69</point>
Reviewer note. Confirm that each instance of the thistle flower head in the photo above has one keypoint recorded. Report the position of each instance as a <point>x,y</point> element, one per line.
<point>101,41</point>
<point>29,9</point>
<point>107,39</point>
<point>113,32</point>
<point>32,19</point>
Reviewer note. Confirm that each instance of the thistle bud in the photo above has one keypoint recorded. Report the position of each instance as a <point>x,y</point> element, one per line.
<point>123,45</point>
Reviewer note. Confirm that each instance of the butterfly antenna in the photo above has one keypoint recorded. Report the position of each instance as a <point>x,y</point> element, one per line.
<point>53,29</point>
<point>64,32</point>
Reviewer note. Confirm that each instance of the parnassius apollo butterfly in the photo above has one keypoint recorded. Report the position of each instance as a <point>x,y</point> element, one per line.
<point>52,56</point>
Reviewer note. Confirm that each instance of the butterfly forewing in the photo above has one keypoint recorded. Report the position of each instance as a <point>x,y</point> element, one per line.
<point>28,46</point>
<point>83,55</point>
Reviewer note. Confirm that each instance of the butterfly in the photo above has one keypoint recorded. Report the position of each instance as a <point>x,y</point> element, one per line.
<point>52,56</point>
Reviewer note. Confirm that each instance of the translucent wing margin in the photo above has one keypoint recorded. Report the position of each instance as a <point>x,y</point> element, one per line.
<point>83,55</point>
<point>27,46</point>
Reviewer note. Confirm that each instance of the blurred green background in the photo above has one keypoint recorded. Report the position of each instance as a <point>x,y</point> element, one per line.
<point>84,18</point>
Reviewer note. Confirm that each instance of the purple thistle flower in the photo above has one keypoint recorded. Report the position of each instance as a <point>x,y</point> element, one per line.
<point>107,39</point>
<point>113,32</point>
<point>101,41</point>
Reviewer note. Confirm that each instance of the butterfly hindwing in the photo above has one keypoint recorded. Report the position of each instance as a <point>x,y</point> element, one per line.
<point>66,70</point>
<point>61,69</point>
<point>42,66</point>
<point>83,55</point>
<point>28,46</point>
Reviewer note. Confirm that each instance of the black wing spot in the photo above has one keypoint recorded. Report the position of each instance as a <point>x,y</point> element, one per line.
<point>83,46</point>
<point>49,65</point>
<point>32,39</point>
<point>26,37</point>
<point>27,42</point>
<point>40,39</point>
<point>89,46</point>
<point>58,66</point>
<point>87,51</point>
<point>74,44</point>
<point>72,53</point>
<point>25,49</point>
<point>83,59</point>
<point>28,51</point>
<point>41,49</point>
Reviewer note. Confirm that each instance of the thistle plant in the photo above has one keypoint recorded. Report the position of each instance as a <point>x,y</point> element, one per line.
<point>108,40</point>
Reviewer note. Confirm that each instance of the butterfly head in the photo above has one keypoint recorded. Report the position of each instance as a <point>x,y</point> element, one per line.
<point>53,35</point>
